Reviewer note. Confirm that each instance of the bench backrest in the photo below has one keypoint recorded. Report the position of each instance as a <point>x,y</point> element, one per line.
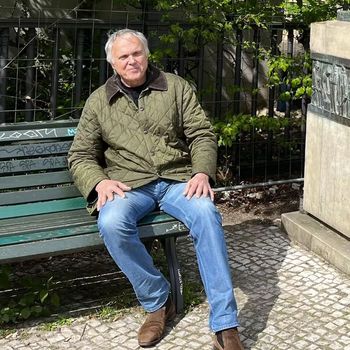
<point>34,178</point>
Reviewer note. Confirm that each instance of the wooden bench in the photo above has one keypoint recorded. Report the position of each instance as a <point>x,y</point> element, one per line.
<point>41,211</point>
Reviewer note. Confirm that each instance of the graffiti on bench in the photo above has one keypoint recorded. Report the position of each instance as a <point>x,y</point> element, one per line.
<point>35,149</point>
<point>26,165</point>
<point>32,134</point>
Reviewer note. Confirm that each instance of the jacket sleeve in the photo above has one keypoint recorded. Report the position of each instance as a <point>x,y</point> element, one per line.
<point>199,135</point>
<point>85,157</point>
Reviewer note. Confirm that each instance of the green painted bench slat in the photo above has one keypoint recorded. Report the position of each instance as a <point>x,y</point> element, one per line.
<point>27,209</point>
<point>47,234</point>
<point>30,180</point>
<point>41,223</point>
<point>146,231</point>
<point>49,247</point>
<point>32,164</point>
<point>39,195</point>
<point>50,220</point>
<point>31,149</point>
<point>154,218</point>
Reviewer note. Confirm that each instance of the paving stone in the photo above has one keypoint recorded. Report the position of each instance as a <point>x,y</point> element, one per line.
<point>288,298</point>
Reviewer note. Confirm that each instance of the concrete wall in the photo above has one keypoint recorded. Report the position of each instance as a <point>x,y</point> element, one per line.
<point>327,172</point>
<point>327,166</point>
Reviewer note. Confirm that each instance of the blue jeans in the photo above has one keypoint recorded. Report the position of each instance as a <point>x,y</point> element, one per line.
<point>117,223</point>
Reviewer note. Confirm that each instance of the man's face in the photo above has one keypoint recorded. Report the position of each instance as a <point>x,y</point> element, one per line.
<point>130,60</point>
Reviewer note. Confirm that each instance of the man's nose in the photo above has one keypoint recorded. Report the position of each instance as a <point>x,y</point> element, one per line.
<point>131,59</point>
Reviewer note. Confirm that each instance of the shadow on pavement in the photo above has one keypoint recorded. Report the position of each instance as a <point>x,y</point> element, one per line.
<point>256,250</point>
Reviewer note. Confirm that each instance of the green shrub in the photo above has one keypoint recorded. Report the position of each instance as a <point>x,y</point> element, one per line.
<point>37,298</point>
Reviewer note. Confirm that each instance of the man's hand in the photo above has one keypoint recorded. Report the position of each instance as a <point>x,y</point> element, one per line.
<point>199,186</point>
<point>106,189</point>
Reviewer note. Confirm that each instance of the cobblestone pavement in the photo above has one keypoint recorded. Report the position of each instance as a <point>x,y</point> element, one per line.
<point>288,299</point>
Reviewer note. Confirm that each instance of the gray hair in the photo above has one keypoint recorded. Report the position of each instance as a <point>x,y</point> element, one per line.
<point>124,32</point>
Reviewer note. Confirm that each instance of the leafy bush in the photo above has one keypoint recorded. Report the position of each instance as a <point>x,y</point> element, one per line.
<point>234,125</point>
<point>37,298</point>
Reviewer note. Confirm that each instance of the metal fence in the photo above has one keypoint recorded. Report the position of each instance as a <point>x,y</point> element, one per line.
<point>49,66</point>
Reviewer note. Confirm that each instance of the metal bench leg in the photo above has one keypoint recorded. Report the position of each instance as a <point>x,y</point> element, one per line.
<point>174,272</point>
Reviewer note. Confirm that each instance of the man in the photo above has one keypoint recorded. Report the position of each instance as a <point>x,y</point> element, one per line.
<point>144,141</point>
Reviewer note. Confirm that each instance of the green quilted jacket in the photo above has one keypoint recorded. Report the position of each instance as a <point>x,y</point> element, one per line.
<point>166,136</point>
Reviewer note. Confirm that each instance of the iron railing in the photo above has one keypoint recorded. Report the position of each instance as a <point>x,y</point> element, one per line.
<point>49,66</point>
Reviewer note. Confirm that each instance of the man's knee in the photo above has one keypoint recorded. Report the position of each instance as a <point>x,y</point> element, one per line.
<point>204,206</point>
<point>204,212</point>
<point>115,223</point>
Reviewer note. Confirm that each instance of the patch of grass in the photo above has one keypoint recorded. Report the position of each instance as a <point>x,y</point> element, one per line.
<point>4,332</point>
<point>52,326</point>
<point>124,304</point>
<point>112,313</point>
<point>193,293</point>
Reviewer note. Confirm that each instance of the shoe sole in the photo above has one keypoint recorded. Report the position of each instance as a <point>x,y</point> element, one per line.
<point>151,344</point>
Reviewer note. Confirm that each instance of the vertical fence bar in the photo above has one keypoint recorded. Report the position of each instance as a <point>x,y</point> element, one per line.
<point>4,39</point>
<point>102,72</point>
<point>145,15</point>
<point>289,102</point>
<point>78,71</point>
<point>255,91</point>
<point>91,58</point>
<point>271,107</point>
<point>200,60</point>
<point>54,73</point>
<point>237,101</point>
<point>272,89</point>
<point>290,40</point>
<point>17,80</point>
<point>30,51</point>
<point>238,77</point>
<point>218,77</point>
<point>255,82</point>
<point>181,59</point>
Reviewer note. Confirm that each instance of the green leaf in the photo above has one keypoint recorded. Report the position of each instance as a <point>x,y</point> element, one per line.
<point>43,295</point>
<point>300,92</point>
<point>285,96</point>
<point>308,91</point>
<point>27,300</point>
<point>307,81</point>
<point>36,309</point>
<point>55,299</point>
<point>25,313</point>
<point>5,318</point>
<point>296,82</point>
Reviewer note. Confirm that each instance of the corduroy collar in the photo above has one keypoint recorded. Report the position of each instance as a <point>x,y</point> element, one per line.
<point>157,81</point>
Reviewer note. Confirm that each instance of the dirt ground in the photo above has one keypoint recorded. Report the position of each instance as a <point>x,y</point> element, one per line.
<point>265,204</point>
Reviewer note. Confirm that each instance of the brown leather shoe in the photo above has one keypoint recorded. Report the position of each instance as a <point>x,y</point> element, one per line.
<point>227,339</point>
<point>152,330</point>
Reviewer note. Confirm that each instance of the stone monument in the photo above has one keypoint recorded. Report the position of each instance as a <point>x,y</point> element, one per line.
<point>323,226</point>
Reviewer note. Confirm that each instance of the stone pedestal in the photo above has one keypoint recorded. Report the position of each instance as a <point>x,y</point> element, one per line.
<point>324,227</point>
